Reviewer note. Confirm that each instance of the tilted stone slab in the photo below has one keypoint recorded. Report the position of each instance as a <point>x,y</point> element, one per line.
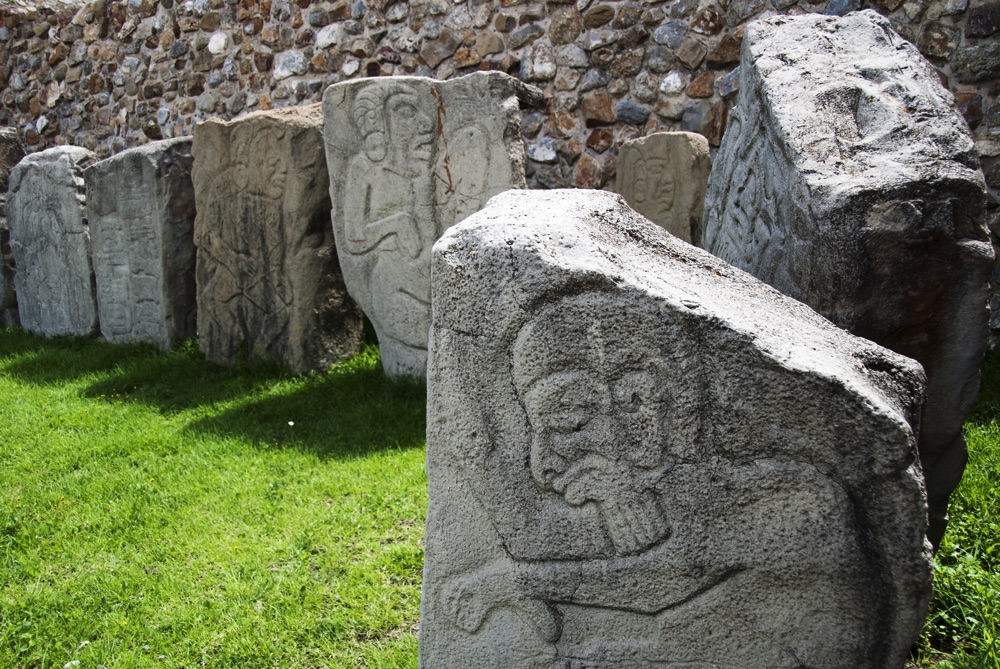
<point>11,153</point>
<point>641,457</point>
<point>50,243</point>
<point>663,176</point>
<point>268,280</point>
<point>140,205</point>
<point>409,157</point>
<point>848,180</point>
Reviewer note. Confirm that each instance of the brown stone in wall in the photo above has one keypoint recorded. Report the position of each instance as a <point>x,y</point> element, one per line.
<point>600,139</point>
<point>598,109</point>
<point>597,16</point>
<point>726,52</point>
<point>701,86</point>
<point>692,52</point>
<point>565,26</point>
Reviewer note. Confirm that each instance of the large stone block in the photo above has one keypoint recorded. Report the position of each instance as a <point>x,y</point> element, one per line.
<point>663,176</point>
<point>408,158</point>
<point>268,279</point>
<point>50,242</point>
<point>140,205</point>
<point>631,462</point>
<point>11,153</point>
<point>848,180</point>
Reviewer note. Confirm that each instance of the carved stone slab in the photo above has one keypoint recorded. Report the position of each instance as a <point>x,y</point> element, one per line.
<point>269,283</point>
<point>633,464</point>
<point>50,242</point>
<point>408,158</point>
<point>848,180</point>
<point>663,176</point>
<point>11,153</point>
<point>140,205</point>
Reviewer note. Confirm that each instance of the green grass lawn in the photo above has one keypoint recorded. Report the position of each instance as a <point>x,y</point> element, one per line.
<point>159,511</point>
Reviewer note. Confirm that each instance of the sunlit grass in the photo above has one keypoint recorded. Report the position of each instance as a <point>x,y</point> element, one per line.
<point>158,511</point>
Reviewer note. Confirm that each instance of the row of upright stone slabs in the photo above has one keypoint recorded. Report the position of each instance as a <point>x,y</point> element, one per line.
<point>268,278</point>
<point>409,157</point>
<point>848,180</point>
<point>639,456</point>
<point>50,242</point>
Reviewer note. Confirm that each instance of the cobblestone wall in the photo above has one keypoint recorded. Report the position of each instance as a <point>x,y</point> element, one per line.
<point>114,74</point>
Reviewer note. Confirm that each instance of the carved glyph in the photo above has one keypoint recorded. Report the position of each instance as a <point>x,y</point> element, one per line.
<point>269,283</point>
<point>616,476</point>
<point>50,243</point>
<point>848,180</point>
<point>408,158</point>
<point>141,208</point>
<point>663,177</point>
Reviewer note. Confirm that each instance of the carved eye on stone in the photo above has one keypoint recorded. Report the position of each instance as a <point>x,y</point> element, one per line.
<point>569,419</point>
<point>633,391</point>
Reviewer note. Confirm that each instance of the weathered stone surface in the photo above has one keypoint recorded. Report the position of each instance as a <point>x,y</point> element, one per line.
<point>140,206</point>
<point>409,158</point>
<point>861,196</point>
<point>269,283</point>
<point>632,464</point>
<point>50,243</point>
<point>663,176</point>
<point>11,153</point>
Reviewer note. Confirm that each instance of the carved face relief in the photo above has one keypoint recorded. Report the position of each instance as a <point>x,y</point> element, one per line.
<point>599,404</point>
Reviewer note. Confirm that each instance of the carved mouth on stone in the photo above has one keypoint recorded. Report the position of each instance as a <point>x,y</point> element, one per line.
<point>576,483</point>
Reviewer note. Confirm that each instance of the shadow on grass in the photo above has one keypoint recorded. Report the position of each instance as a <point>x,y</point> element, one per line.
<point>350,412</point>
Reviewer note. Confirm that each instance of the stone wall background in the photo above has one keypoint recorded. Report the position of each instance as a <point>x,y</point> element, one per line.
<point>111,75</point>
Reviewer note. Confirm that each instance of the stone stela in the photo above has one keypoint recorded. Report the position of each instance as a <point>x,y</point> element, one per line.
<point>50,243</point>
<point>848,180</point>
<point>409,158</point>
<point>141,209</point>
<point>632,465</point>
<point>663,177</point>
<point>268,279</point>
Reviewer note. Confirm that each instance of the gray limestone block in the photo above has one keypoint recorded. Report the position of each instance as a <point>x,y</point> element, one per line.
<point>663,176</point>
<point>848,180</point>
<point>140,204</point>
<point>408,158</point>
<point>639,456</point>
<point>268,280</point>
<point>50,243</point>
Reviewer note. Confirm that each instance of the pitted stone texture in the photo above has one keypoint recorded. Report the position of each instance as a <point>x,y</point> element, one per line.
<point>269,284</point>
<point>410,157</point>
<point>11,153</point>
<point>50,243</point>
<point>140,205</point>
<point>632,464</point>
<point>848,180</point>
<point>663,176</point>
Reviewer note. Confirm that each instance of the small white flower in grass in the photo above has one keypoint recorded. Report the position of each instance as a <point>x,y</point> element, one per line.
<point>71,664</point>
<point>83,644</point>
<point>291,422</point>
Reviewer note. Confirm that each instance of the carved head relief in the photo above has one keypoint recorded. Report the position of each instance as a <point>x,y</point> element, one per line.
<point>602,404</point>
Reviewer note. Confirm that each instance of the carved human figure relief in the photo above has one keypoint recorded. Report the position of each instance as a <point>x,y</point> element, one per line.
<point>615,479</point>
<point>269,283</point>
<point>663,176</point>
<point>50,242</point>
<point>140,204</point>
<point>408,158</point>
